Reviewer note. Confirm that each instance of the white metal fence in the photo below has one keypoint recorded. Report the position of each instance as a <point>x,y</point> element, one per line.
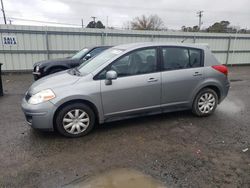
<point>22,46</point>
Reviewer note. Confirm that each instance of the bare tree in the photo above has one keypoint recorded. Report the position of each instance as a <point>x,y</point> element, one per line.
<point>152,22</point>
<point>127,25</point>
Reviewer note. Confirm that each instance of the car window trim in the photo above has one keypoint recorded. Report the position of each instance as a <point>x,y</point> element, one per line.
<point>157,48</point>
<point>188,48</point>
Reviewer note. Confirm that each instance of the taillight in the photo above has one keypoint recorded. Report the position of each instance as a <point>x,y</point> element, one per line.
<point>221,68</point>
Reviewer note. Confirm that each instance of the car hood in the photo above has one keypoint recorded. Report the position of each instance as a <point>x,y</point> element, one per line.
<point>55,61</point>
<point>53,81</point>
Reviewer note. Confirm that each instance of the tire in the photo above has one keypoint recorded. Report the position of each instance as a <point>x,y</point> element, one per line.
<point>69,125</point>
<point>55,70</point>
<point>205,102</point>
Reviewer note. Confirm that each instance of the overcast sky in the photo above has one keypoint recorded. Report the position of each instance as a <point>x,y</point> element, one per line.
<point>175,13</point>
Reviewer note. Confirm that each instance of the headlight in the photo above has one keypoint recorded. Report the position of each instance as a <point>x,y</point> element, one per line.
<point>37,68</point>
<point>42,96</point>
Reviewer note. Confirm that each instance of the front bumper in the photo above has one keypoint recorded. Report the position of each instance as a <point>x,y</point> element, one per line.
<point>39,116</point>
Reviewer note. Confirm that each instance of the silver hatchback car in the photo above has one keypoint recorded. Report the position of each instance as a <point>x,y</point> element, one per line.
<point>127,81</point>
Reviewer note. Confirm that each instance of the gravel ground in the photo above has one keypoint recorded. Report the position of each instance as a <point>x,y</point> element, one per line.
<point>178,149</point>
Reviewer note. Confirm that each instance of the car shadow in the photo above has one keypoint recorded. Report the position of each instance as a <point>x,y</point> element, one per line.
<point>141,121</point>
<point>151,120</point>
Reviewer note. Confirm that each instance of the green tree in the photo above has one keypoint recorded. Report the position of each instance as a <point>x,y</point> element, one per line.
<point>220,27</point>
<point>91,24</point>
<point>196,28</point>
<point>190,29</point>
<point>97,24</point>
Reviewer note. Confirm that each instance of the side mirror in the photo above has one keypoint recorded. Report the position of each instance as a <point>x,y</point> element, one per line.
<point>110,75</point>
<point>87,57</point>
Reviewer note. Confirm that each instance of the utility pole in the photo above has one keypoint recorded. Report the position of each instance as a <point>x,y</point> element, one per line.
<point>107,22</point>
<point>93,17</point>
<point>82,22</point>
<point>200,14</point>
<point>4,17</point>
<point>94,21</point>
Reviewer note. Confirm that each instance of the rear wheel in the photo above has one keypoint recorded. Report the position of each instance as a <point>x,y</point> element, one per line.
<point>205,102</point>
<point>75,120</point>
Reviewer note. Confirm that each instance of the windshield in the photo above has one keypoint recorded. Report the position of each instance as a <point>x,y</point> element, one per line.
<point>99,60</point>
<point>80,54</point>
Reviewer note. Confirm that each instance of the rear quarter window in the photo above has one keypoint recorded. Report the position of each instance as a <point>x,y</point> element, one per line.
<point>175,58</point>
<point>195,57</point>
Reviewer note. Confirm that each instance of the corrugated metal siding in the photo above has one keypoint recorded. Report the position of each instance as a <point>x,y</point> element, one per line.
<point>38,43</point>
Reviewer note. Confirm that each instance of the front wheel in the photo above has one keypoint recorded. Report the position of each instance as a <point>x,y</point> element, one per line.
<point>75,120</point>
<point>205,102</point>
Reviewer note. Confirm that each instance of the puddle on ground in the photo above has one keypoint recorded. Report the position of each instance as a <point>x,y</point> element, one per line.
<point>119,178</point>
<point>231,107</point>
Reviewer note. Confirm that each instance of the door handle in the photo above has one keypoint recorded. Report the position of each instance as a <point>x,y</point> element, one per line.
<point>197,74</point>
<point>152,80</point>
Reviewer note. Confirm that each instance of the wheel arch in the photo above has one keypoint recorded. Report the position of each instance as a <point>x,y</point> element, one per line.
<point>83,101</point>
<point>212,86</point>
<point>216,89</point>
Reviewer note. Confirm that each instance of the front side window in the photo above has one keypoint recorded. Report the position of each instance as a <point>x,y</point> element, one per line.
<point>99,60</point>
<point>137,62</point>
<point>180,58</point>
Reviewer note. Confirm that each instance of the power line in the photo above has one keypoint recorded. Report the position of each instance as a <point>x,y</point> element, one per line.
<point>4,17</point>
<point>123,6</point>
<point>46,22</point>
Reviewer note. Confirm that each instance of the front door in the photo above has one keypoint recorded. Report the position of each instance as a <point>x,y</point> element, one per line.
<point>137,88</point>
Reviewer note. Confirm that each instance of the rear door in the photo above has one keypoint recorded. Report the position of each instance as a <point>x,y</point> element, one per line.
<point>182,71</point>
<point>137,88</point>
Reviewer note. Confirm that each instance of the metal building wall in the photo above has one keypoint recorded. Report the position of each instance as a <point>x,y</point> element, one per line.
<point>40,43</point>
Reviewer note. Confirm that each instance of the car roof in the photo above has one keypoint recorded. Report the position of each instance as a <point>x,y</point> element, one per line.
<point>92,47</point>
<point>153,44</point>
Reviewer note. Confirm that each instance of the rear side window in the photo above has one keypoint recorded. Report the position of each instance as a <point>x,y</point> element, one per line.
<point>195,58</point>
<point>181,58</point>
